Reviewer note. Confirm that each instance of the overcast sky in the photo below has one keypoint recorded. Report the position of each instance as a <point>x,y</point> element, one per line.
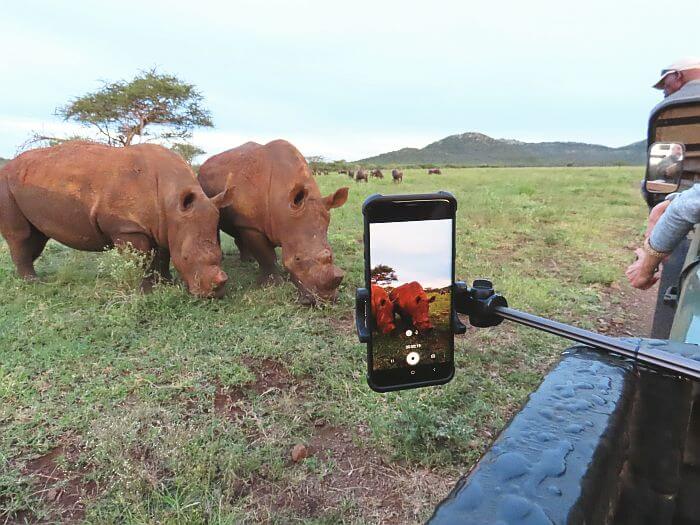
<point>417,250</point>
<point>353,79</point>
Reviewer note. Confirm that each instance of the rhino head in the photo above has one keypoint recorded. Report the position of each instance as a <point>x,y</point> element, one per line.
<point>192,228</point>
<point>301,216</point>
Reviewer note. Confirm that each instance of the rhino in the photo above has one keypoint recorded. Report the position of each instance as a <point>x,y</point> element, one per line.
<point>412,304</point>
<point>382,310</point>
<point>276,203</point>
<point>90,197</point>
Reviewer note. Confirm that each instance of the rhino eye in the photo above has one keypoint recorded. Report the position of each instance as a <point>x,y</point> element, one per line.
<point>188,200</point>
<point>298,198</point>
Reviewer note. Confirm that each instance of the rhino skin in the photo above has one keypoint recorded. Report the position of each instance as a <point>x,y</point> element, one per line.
<point>276,202</point>
<point>90,197</point>
<point>382,310</point>
<point>412,304</point>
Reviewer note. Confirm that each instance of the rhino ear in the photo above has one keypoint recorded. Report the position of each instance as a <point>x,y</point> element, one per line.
<point>337,199</point>
<point>225,198</point>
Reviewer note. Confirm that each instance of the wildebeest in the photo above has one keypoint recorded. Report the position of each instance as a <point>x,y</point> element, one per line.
<point>435,171</point>
<point>382,310</point>
<point>412,304</point>
<point>361,175</point>
<point>276,202</point>
<point>91,196</point>
<point>397,175</point>
<point>377,173</point>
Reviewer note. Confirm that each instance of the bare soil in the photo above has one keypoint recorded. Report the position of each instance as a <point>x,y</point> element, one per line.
<point>628,311</point>
<point>63,490</point>
<point>387,493</point>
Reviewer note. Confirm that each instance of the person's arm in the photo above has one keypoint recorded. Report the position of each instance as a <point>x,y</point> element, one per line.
<point>673,223</point>
<point>654,216</point>
<point>677,220</point>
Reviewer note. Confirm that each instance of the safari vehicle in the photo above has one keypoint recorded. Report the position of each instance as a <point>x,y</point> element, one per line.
<point>674,127</point>
<point>612,435</point>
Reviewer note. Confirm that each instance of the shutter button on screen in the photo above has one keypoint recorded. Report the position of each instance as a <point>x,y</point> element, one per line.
<point>412,358</point>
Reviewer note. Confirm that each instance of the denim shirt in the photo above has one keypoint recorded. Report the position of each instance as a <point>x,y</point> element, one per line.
<point>678,219</point>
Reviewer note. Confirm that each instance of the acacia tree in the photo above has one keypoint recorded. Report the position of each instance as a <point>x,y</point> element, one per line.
<point>151,106</point>
<point>187,151</point>
<point>383,275</point>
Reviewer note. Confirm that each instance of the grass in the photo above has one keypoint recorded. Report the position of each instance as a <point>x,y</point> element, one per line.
<point>117,407</point>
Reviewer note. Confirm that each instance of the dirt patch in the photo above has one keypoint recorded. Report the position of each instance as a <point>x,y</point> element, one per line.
<point>63,491</point>
<point>382,492</point>
<point>270,375</point>
<point>228,402</point>
<point>628,311</point>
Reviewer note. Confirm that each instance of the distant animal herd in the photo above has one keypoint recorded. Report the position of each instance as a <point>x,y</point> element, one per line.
<point>362,174</point>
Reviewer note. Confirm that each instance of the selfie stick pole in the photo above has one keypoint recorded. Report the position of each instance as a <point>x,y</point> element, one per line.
<point>487,308</point>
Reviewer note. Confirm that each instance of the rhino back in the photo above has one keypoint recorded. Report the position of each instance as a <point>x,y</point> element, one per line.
<point>248,169</point>
<point>81,194</point>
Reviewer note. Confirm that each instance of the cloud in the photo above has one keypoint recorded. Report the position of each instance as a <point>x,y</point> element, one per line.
<point>417,250</point>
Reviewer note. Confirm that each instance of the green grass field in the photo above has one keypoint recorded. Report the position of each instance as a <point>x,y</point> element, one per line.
<point>117,407</point>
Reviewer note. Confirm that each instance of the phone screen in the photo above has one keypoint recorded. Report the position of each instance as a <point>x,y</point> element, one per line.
<point>411,276</point>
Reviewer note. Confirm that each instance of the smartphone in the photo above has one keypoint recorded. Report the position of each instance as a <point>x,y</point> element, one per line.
<point>409,272</point>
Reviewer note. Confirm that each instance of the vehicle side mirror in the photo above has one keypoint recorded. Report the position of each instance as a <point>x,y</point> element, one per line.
<point>664,167</point>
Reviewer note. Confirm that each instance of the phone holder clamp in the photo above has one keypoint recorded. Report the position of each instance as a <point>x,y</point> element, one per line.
<point>479,303</point>
<point>362,314</point>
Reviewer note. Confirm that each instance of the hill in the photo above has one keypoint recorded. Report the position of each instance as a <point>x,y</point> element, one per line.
<point>3,162</point>
<point>477,149</point>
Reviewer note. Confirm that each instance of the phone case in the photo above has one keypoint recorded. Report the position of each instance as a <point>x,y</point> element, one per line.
<point>377,197</point>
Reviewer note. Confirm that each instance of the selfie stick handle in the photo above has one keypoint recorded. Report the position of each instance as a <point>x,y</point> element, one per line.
<point>487,308</point>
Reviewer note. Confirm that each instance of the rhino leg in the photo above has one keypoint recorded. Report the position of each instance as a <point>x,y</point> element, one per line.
<point>161,264</point>
<point>24,252</point>
<point>257,245</point>
<point>25,242</point>
<point>246,255</point>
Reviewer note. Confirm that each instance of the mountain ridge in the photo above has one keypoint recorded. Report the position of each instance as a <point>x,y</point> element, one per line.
<point>477,149</point>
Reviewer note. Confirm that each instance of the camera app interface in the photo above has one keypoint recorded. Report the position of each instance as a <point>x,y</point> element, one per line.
<point>411,278</point>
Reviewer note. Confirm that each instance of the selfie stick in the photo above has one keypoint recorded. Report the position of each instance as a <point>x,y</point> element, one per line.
<point>487,308</point>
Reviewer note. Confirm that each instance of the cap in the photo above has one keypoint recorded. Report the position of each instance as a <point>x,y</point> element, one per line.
<point>679,65</point>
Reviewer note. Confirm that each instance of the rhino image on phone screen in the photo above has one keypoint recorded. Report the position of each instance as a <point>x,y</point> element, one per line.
<point>411,279</point>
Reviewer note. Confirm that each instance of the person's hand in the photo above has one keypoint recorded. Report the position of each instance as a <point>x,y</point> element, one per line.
<point>643,273</point>
<point>654,216</point>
